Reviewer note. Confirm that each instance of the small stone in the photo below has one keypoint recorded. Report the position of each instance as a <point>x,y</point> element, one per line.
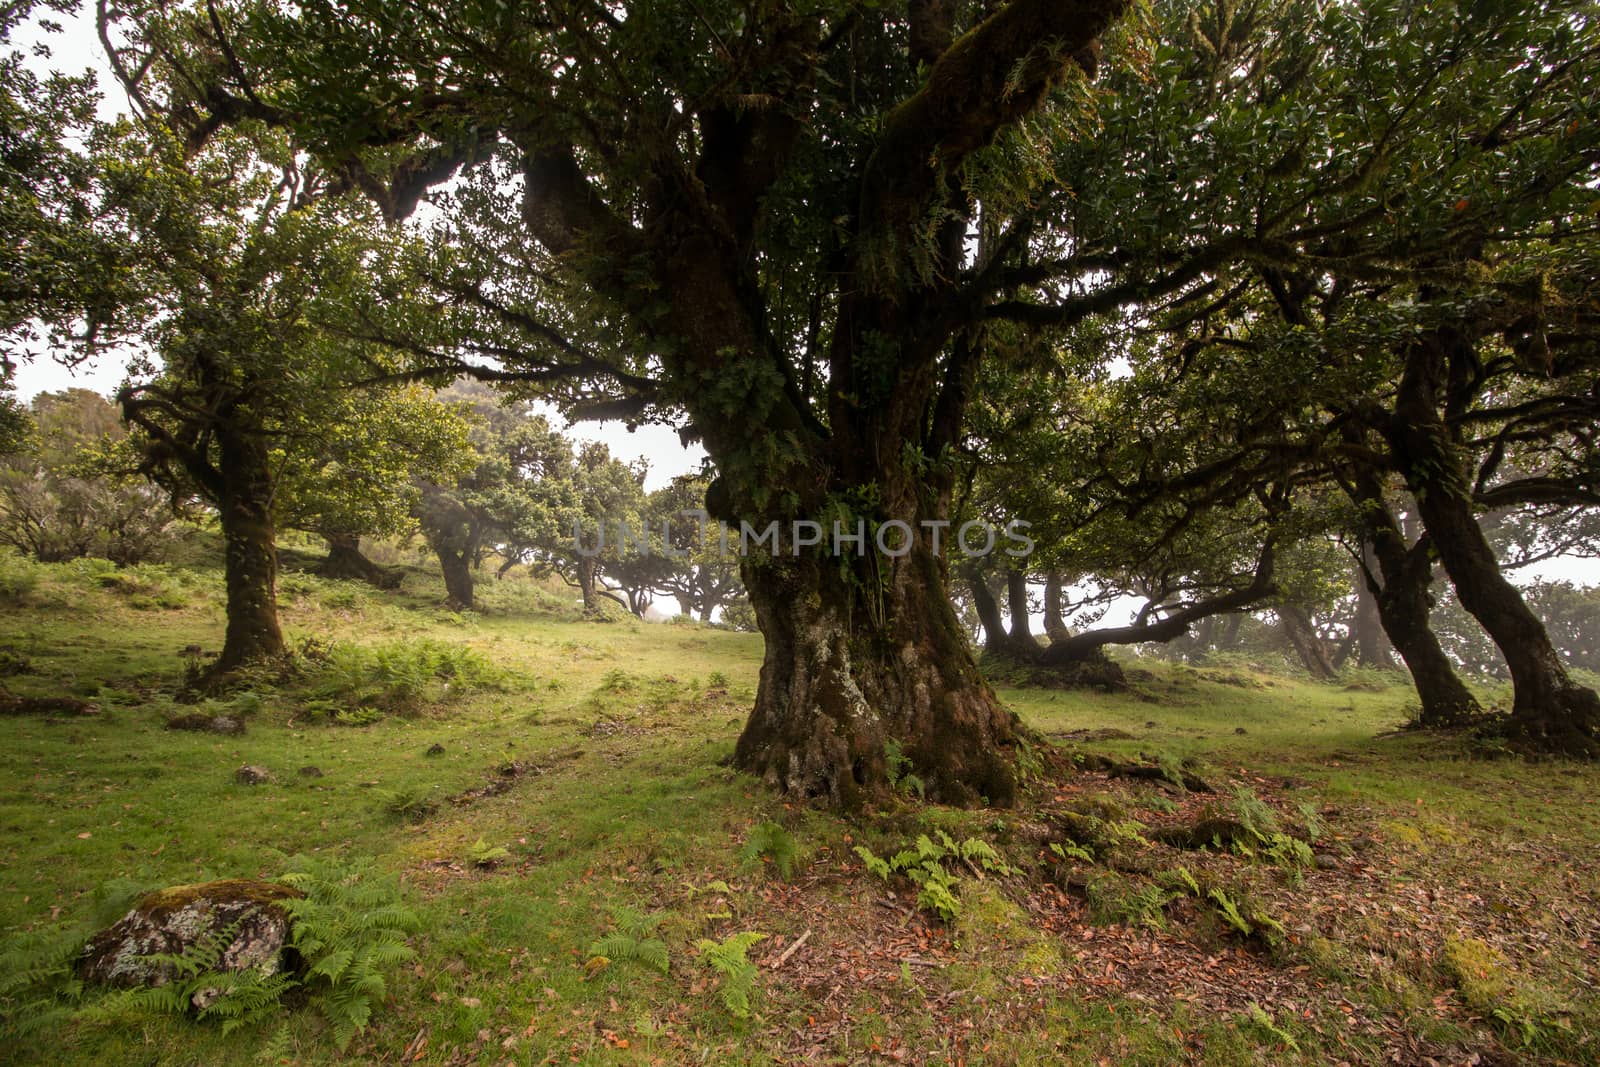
<point>435,750</point>
<point>248,775</point>
<point>310,772</point>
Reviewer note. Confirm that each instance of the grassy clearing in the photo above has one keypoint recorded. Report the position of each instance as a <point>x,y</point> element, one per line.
<point>1388,899</point>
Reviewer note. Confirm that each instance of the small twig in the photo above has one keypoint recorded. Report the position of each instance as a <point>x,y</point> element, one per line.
<point>792,949</point>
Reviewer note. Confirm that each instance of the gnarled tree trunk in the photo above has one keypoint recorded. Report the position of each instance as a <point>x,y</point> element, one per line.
<point>1549,710</point>
<point>846,672</point>
<point>456,565</point>
<point>450,529</point>
<point>1302,637</point>
<point>250,558</point>
<point>346,560</point>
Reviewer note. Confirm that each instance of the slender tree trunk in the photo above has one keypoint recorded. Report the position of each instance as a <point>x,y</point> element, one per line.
<point>1055,626</point>
<point>989,617</point>
<point>250,559</point>
<point>589,584</point>
<point>1020,634</point>
<point>1404,603</point>
<point>1302,637</point>
<point>1230,632</point>
<point>847,671</point>
<point>1371,646</point>
<point>1549,709</point>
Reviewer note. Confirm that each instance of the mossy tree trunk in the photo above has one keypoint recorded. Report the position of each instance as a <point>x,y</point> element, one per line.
<point>848,669</point>
<point>250,559</point>
<point>1549,711</point>
<point>1399,586</point>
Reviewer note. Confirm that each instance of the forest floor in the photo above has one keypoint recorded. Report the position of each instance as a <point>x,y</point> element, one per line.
<point>1356,894</point>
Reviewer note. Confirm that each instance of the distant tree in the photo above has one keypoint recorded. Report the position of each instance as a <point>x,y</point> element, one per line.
<point>62,495</point>
<point>364,477</point>
<point>703,572</point>
<point>60,280</point>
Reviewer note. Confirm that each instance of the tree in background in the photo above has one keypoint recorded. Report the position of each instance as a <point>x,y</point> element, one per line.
<point>755,216</point>
<point>364,477</point>
<point>61,496</point>
<point>243,260</point>
<point>703,572</point>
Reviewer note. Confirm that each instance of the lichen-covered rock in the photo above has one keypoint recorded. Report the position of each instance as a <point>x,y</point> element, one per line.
<point>172,921</point>
<point>211,724</point>
<point>248,775</point>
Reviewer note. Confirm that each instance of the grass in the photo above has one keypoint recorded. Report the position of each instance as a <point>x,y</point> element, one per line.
<point>593,754</point>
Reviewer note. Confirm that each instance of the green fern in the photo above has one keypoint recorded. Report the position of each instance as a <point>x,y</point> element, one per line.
<point>1263,1021</point>
<point>924,864</point>
<point>483,854</point>
<point>1185,880</point>
<point>1253,814</point>
<point>1230,912</point>
<point>39,988</point>
<point>875,864</point>
<point>1068,850</point>
<point>770,843</point>
<point>349,928</point>
<point>1290,853</point>
<point>728,958</point>
<point>898,766</point>
<point>632,941</point>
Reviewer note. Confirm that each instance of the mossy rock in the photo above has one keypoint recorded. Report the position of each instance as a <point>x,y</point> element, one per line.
<point>174,920</point>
